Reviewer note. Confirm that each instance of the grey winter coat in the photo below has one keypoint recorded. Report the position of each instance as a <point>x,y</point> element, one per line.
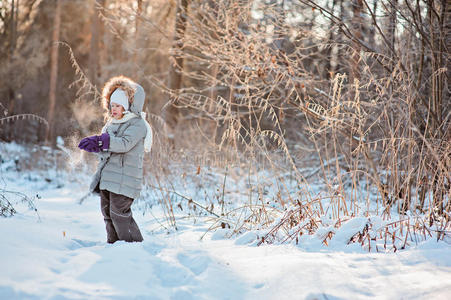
<point>120,168</point>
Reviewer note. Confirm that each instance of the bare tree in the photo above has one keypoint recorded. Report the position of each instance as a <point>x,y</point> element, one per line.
<point>53,72</point>
<point>357,27</point>
<point>177,60</point>
<point>96,38</point>
<point>13,24</point>
<point>137,30</point>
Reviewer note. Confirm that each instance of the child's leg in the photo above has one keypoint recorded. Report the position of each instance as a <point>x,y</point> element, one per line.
<point>122,218</point>
<point>105,208</point>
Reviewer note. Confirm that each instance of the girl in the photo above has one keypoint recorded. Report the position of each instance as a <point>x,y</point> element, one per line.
<point>121,148</point>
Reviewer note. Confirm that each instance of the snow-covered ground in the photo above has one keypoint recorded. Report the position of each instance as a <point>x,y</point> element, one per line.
<point>60,253</point>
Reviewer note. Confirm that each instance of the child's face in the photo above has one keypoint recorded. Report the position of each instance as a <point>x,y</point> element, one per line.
<point>117,111</point>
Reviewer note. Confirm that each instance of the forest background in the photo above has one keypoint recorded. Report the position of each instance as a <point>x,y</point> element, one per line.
<point>352,95</point>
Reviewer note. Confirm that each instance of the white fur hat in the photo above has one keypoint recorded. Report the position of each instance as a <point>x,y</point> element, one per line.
<point>120,97</point>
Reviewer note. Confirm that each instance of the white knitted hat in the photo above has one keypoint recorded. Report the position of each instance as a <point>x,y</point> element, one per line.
<point>120,97</point>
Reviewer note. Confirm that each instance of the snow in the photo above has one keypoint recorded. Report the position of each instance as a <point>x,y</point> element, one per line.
<point>60,253</point>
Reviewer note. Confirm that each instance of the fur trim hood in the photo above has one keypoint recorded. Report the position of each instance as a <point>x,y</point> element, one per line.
<point>134,92</point>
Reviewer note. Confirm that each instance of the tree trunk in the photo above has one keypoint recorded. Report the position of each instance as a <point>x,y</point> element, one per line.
<point>137,26</point>
<point>11,91</point>
<point>447,24</point>
<point>340,66</point>
<point>53,73</point>
<point>447,47</point>
<point>13,27</point>
<point>327,71</point>
<point>372,30</point>
<point>176,67</point>
<point>95,41</point>
<point>357,7</point>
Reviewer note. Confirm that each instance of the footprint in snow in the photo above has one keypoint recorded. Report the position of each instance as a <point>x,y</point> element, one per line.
<point>322,296</point>
<point>185,295</point>
<point>77,244</point>
<point>196,261</point>
<point>152,247</point>
<point>172,276</point>
<point>259,285</point>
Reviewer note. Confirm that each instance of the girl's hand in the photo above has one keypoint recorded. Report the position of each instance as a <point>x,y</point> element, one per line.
<point>95,143</point>
<point>89,144</point>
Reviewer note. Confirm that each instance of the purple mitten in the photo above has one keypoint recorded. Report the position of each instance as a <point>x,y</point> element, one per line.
<point>89,144</point>
<point>83,143</point>
<point>92,147</point>
<point>92,138</point>
<point>104,141</point>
